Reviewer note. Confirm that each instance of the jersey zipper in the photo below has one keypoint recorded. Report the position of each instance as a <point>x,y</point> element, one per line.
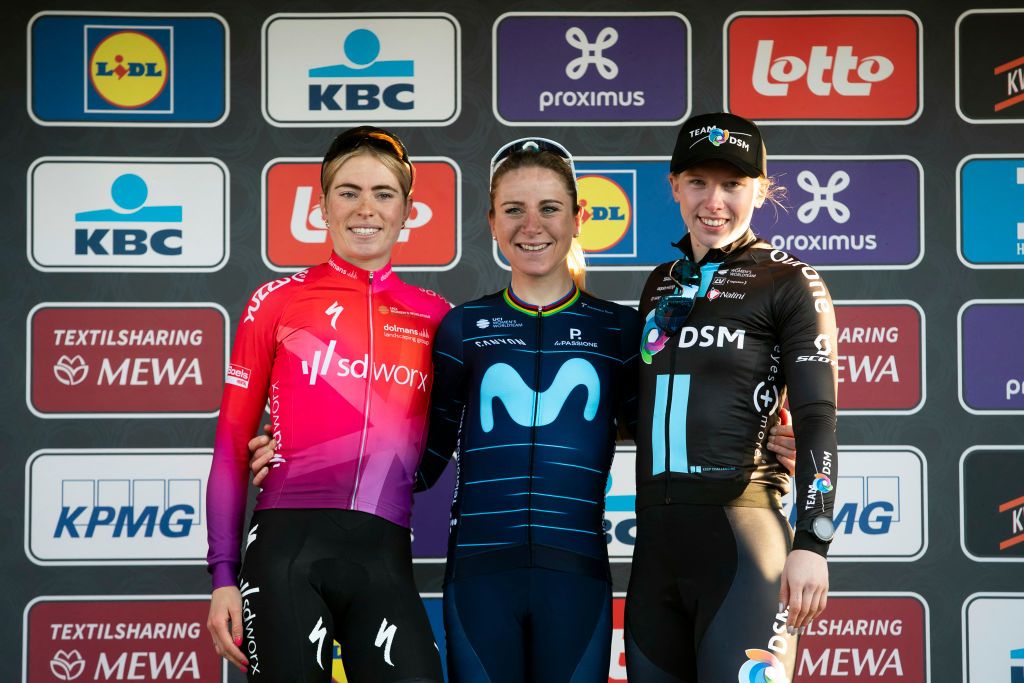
<point>668,420</point>
<point>533,431</point>
<point>366,397</point>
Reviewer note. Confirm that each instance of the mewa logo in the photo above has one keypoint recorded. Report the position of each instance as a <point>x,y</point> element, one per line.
<point>502,382</point>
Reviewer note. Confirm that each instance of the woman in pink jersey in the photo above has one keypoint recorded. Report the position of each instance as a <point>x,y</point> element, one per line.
<point>342,353</point>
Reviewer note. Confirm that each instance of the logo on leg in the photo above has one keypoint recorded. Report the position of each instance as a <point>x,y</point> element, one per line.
<point>385,636</point>
<point>317,636</point>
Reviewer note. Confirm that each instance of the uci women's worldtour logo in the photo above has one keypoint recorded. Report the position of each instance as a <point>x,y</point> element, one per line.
<point>294,235</point>
<point>128,215</point>
<point>343,68</point>
<point>131,69</point>
<point>591,68</point>
<point>835,222</point>
<point>990,66</point>
<point>824,68</point>
<point>116,506</point>
<point>991,367</point>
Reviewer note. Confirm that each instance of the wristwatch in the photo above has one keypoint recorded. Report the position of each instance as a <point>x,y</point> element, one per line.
<point>823,528</point>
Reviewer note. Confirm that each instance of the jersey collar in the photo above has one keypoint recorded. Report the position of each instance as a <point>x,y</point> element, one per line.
<point>722,253</point>
<point>548,309</point>
<point>346,269</point>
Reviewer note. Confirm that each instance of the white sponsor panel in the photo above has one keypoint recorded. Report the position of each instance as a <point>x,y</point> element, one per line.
<point>880,508</point>
<point>620,505</point>
<point>993,638</point>
<point>116,506</point>
<point>118,214</point>
<point>387,68</point>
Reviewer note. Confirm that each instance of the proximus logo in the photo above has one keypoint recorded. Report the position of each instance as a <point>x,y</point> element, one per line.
<point>502,382</point>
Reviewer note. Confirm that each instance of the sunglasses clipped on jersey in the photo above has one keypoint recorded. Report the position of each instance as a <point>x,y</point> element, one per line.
<point>673,309</point>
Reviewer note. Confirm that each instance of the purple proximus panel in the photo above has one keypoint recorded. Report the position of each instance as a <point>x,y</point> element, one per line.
<point>993,367</point>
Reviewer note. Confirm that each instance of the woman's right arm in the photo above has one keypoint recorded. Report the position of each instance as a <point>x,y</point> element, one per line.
<point>447,400</point>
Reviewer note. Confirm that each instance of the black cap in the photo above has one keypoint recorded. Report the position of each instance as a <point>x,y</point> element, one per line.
<point>721,136</point>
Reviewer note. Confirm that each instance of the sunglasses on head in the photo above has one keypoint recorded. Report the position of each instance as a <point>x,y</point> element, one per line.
<point>673,309</point>
<point>535,145</point>
<point>367,136</point>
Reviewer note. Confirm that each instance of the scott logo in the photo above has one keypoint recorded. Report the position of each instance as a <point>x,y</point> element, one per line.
<point>773,74</point>
<point>529,408</point>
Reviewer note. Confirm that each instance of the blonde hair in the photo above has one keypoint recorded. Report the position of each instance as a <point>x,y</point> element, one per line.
<point>575,259</point>
<point>398,167</point>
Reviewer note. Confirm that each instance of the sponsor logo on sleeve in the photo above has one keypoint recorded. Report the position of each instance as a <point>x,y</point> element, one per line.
<point>881,357</point>
<point>128,215</point>
<point>993,646</point>
<point>138,69</point>
<point>990,210</point>
<point>990,66</point>
<point>991,369</point>
<point>125,359</point>
<point>992,503</point>
<point>835,223</point>
<point>611,69</point>
<point>116,506</point>
<point>824,68</point>
<point>866,636</point>
<point>346,68</point>
<point>294,234</point>
<point>108,638</point>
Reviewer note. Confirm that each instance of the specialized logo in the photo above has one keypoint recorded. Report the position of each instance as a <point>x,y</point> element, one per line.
<point>607,214</point>
<point>990,66</point>
<point>317,636</point>
<point>991,638</point>
<point>875,637</point>
<point>595,69</point>
<point>138,360</point>
<point>334,310</point>
<point>992,503</point>
<point>836,223</point>
<point>140,638</point>
<point>385,637</point>
<point>820,67</point>
<point>530,408</point>
<point>128,215</point>
<point>990,211</point>
<point>295,235</point>
<point>991,377</point>
<point>123,70</point>
<point>343,68</point>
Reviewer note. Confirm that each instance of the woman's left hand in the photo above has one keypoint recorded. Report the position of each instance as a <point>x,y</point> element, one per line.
<point>782,442</point>
<point>804,589</point>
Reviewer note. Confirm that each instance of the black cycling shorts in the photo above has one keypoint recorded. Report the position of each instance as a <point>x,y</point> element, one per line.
<point>310,577</point>
<point>702,605</point>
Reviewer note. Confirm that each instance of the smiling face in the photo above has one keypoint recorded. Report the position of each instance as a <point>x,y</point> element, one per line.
<point>364,209</point>
<point>534,221</point>
<point>716,201</point>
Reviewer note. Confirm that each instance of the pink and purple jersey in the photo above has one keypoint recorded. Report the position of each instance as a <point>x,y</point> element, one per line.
<point>343,356</point>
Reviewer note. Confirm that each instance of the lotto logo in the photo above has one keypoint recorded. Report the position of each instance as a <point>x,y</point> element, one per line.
<point>824,68</point>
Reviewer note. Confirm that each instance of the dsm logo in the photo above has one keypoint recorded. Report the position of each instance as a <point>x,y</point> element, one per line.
<point>128,215</point>
<point>139,69</point>
<point>116,506</point>
<point>335,68</point>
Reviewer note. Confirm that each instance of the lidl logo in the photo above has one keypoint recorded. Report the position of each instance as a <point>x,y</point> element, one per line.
<point>139,69</point>
<point>607,212</point>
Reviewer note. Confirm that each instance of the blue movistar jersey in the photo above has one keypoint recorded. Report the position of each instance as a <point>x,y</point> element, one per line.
<point>530,398</point>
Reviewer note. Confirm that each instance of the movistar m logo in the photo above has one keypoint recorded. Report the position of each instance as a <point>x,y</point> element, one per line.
<point>502,382</point>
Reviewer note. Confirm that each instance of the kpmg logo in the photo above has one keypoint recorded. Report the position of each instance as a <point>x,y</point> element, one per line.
<point>836,224</point>
<point>501,382</point>
<point>116,506</point>
<point>128,215</point>
<point>824,67</point>
<point>990,210</point>
<point>990,66</point>
<point>294,234</point>
<point>992,503</point>
<point>334,68</point>
<point>993,648</point>
<point>591,68</point>
<point>991,374</point>
<point>881,357</point>
<point>104,69</point>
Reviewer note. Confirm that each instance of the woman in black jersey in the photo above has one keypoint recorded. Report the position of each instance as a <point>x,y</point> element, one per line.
<point>720,585</point>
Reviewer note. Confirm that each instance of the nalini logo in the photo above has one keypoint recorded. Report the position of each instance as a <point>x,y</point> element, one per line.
<point>362,50</point>
<point>71,371</point>
<point>129,69</point>
<point>67,665</point>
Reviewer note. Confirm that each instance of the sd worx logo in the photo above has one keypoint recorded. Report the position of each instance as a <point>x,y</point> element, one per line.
<point>835,68</point>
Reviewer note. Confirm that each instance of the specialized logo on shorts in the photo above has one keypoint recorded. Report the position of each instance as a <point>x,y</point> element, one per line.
<point>850,67</point>
<point>317,636</point>
<point>990,210</point>
<point>142,69</point>
<point>530,408</point>
<point>125,360</point>
<point>991,374</point>
<point>295,235</point>
<point>835,223</point>
<point>990,66</point>
<point>600,68</point>
<point>992,640</point>
<point>385,637</point>
<point>334,68</point>
<point>992,503</point>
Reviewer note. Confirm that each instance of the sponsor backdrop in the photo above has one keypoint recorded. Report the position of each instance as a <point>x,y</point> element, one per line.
<point>161,165</point>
